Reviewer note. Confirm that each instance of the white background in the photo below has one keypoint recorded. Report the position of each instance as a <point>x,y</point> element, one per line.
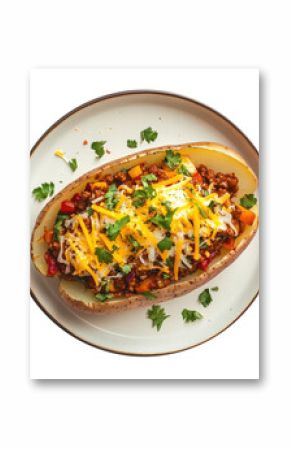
<point>53,353</point>
<point>138,414</point>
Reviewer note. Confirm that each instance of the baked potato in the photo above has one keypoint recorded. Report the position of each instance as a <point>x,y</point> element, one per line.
<point>147,227</point>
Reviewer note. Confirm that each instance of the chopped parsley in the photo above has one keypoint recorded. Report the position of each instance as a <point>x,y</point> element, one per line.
<point>205,298</point>
<point>113,230</point>
<point>248,200</point>
<point>191,315</point>
<point>98,148</point>
<point>215,289</point>
<point>57,225</point>
<point>103,296</point>
<point>132,143</point>
<point>103,255</point>
<point>73,163</point>
<point>166,276</point>
<point>172,159</point>
<point>110,197</point>
<point>148,295</point>
<point>42,192</point>
<point>183,170</point>
<point>157,315</point>
<point>89,211</point>
<point>148,134</point>
<point>126,268</point>
<point>164,244</point>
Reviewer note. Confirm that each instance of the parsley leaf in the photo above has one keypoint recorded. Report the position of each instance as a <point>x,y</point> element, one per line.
<point>157,315</point>
<point>89,211</point>
<point>164,244</point>
<point>248,200</point>
<point>103,255</point>
<point>126,268</point>
<point>148,295</point>
<point>148,134</point>
<point>114,229</point>
<point>205,298</point>
<point>164,221</point>
<point>57,225</point>
<point>73,163</point>
<point>98,147</point>
<point>103,296</point>
<point>110,198</point>
<point>190,315</point>
<point>183,170</point>
<point>132,143</point>
<point>136,246</point>
<point>215,289</point>
<point>42,192</point>
<point>148,178</point>
<point>172,159</point>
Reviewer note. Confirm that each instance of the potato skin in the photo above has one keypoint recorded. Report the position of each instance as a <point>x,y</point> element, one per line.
<point>79,298</point>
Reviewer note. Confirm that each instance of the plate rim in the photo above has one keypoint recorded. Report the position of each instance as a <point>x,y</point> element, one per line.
<point>116,95</point>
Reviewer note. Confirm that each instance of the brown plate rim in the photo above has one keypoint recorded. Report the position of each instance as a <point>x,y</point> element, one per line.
<point>116,95</point>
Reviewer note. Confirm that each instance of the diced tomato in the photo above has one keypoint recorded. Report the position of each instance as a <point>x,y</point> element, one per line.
<point>67,207</point>
<point>51,264</point>
<point>47,236</point>
<point>203,265</point>
<point>197,178</point>
<point>247,217</point>
<point>229,243</point>
<point>76,198</point>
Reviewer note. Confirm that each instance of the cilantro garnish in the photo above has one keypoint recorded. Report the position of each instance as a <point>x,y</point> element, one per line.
<point>172,159</point>
<point>132,143</point>
<point>103,255</point>
<point>103,296</point>
<point>183,170</point>
<point>248,200</point>
<point>126,268</point>
<point>215,289</point>
<point>205,298</point>
<point>157,315</point>
<point>164,244</point>
<point>98,148</point>
<point>114,229</point>
<point>164,221</point>
<point>170,262</point>
<point>42,192</point>
<point>136,246</point>
<point>141,195</point>
<point>57,225</point>
<point>148,134</point>
<point>73,163</point>
<point>110,199</point>
<point>148,178</point>
<point>190,315</point>
<point>89,211</point>
<point>148,295</point>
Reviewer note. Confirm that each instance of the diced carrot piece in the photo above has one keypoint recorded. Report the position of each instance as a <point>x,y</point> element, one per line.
<point>135,171</point>
<point>229,244</point>
<point>247,217</point>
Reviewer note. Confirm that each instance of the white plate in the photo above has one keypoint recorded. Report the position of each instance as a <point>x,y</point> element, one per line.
<point>116,118</point>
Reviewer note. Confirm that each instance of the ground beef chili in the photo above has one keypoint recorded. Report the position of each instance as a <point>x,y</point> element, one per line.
<point>139,280</point>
